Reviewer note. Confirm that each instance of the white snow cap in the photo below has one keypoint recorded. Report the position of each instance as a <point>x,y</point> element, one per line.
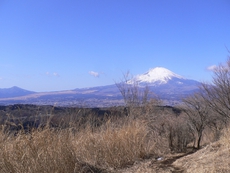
<point>158,74</point>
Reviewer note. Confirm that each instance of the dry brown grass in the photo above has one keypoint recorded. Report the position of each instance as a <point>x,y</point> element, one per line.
<point>40,151</point>
<point>115,147</point>
<point>110,146</point>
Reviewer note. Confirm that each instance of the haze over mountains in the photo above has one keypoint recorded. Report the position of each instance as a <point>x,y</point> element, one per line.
<point>168,86</point>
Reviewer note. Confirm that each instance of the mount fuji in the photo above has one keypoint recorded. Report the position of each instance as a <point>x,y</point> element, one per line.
<point>168,86</point>
<point>158,75</point>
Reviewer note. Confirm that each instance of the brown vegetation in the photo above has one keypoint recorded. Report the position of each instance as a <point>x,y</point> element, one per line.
<point>115,144</point>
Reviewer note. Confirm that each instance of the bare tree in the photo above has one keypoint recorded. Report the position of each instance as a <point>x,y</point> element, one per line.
<point>217,94</point>
<point>132,94</point>
<point>136,96</point>
<point>198,113</point>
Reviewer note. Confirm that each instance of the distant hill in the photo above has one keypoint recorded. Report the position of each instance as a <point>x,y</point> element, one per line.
<point>14,92</point>
<point>168,86</point>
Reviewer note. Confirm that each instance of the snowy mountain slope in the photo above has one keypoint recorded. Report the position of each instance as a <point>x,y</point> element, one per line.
<point>157,75</point>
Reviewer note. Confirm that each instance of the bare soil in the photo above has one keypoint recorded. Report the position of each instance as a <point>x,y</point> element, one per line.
<point>157,165</point>
<point>214,158</point>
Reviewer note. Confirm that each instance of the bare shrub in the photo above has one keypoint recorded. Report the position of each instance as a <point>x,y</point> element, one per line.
<point>130,91</point>
<point>136,96</point>
<point>175,129</point>
<point>179,134</point>
<point>198,115</point>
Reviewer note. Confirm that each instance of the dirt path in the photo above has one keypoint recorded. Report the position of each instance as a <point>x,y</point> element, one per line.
<point>167,164</point>
<point>160,165</point>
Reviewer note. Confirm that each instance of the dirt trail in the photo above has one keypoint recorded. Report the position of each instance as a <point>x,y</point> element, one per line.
<point>161,165</point>
<point>167,164</point>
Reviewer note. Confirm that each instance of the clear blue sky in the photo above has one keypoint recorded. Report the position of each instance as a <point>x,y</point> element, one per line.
<point>49,45</point>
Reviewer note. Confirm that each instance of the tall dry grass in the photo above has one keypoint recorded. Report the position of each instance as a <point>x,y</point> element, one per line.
<point>40,151</point>
<point>113,145</point>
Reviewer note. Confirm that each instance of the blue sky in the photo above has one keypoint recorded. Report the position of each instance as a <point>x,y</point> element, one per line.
<point>49,45</point>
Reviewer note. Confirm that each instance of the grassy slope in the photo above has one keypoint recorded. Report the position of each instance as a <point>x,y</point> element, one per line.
<point>113,146</point>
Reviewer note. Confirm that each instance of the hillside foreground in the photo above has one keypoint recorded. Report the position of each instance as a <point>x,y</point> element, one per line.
<point>109,144</point>
<point>213,158</point>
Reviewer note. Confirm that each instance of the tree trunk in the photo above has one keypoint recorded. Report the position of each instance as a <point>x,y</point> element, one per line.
<point>199,139</point>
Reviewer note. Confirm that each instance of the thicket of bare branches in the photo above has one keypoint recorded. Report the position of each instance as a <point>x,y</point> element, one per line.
<point>132,94</point>
<point>198,116</point>
<point>210,107</point>
<point>136,96</point>
<point>217,94</point>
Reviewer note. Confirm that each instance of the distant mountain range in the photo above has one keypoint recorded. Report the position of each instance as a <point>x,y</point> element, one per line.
<point>168,86</point>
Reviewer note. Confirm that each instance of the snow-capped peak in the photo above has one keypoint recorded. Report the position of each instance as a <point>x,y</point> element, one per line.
<point>158,74</point>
